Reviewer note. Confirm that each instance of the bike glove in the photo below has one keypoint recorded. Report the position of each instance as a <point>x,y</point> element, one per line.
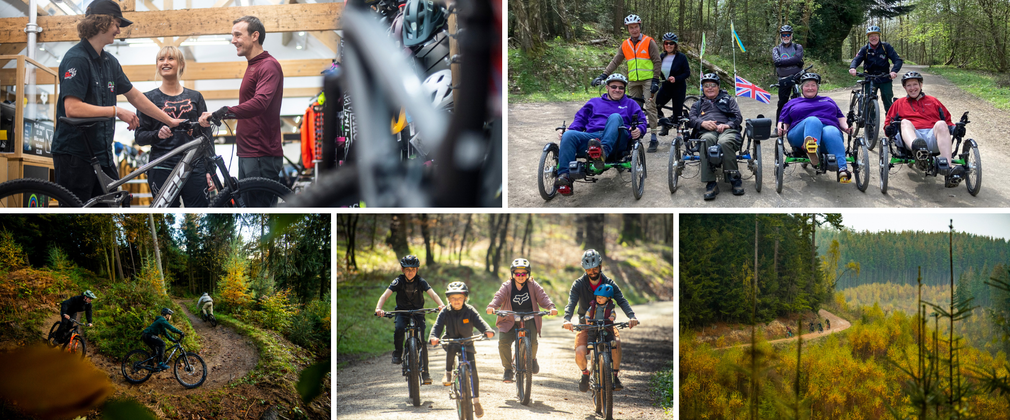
<point>957,131</point>
<point>599,80</point>
<point>655,86</point>
<point>890,130</point>
<point>219,114</point>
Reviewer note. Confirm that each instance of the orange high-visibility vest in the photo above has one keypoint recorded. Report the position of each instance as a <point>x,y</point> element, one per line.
<point>639,62</point>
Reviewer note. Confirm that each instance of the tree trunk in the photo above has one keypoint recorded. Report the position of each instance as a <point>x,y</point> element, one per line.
<point>631,228</point>
<point>375,227</point>
<point>429,259</point>
<point>494,224</point>
<point>618,18</point>
<point>501,241</point>
<point>595,238</point>
<point>462,242</point>
<point>397,238</point>
<point>157,252</point>
<point>526,233</point>
<point>580,230</point>
<point>351,225</point>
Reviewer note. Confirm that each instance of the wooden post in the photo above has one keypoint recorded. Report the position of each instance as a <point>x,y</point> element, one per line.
<point>453,50</point>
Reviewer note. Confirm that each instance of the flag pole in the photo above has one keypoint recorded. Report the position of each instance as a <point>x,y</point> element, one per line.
<point>701,62</point>
<point>733,47</point>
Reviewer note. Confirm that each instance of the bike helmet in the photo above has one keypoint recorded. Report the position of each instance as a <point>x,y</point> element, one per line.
<point>670,36</point>
<point>457,287</point>
<point>605,290</point>
<point>632,19</point>
<point>591,259</point>
<point>810,76</point>
<point>710,77</point>
<point>421,20</point>
<point>88,294</point>
<point>911,75</point>
<point>786,28</point>
<point>433,56</point>
<point>439,88</point>
<point>410,261</point>
<point>873,29</point>
<point>520,263</point>
<point>618,77</point>
<point>166,311</point>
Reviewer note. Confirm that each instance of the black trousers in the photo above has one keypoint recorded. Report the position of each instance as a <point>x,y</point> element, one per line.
<point>675,92</point>
<point>785,89</point>
<point>62,332</point>
<point>77,175</point>
<point>450,360</point>
<point>399,336</point>
<point>156,344</point>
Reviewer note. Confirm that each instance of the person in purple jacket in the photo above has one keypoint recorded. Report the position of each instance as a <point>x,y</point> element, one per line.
<point>811,120</point>
<point>598,125</point>
<point>520,294</point>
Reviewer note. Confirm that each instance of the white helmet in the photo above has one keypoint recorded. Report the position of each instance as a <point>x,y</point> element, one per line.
<point>632,19</point>
<point>439,89</point>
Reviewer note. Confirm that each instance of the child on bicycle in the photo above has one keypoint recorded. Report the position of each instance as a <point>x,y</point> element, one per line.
<point>520,294</point>
<point>410,289</point>
<point>459,319</point>
<point>603,308</point>
<point>159,327</point>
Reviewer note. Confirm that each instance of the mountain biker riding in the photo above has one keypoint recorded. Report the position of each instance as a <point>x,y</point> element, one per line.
<point>206,305</point>
<point>520,294</point>
<point>644,66</point>
<point>459,319</point>
<point>410,289</point>
<point>788,59</point>
<point>598,124</point>
<point>717,118</point>
<point>582,294</point>
<point>874,56</point>
<point>69,309</point>
<point>160,327</point>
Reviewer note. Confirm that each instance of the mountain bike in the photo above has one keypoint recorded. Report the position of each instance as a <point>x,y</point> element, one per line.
<point>209,318</point>
<point>522,357</point>
<point>462,378</point>
<point>189,368</point>
<point>795,91</point>
<point>412,348</point>
<point>75,343</point>
<point>602,380</point>
<point>863,111</point>
<point>31,192</point>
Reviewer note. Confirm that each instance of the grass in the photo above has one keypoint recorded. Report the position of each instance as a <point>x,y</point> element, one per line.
<point>662,385</point>
<point>983,84</point>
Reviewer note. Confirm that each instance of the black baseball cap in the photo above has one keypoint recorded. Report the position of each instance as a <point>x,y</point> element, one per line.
<point>107,7</point>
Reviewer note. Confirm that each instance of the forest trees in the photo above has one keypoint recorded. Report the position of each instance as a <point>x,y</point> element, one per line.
<point>717,268</point>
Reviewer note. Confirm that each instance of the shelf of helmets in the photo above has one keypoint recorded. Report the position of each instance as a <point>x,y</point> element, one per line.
<point>27,113</point>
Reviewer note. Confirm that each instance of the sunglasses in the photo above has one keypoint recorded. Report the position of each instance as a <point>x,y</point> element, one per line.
<point>710,85</point>
<point>787,35</point>
<point>669,43</point>
<point>616,87</point>
<point>521,274</point>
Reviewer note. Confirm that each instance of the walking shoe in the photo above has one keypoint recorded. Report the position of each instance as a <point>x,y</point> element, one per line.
<point>617,384</point>
<point>810,145</point>
<point>564,184</point>
<point>653,144</point>
<point>447,380</point>
<point>596,152</point>
<point>665,124</point>
<point>477,409</point>
<point>162,366</point>
<point>397,360</point>
<point>921,152</point>
<point>584,385</point>
<point>711,190</point>
<point>844,176</point>
<point>508,376</point>
<point>425,378</point>
<point>737,185</point>
<point>536,367</point>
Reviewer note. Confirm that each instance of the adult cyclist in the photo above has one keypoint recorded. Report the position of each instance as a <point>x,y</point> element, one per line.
<point>68,312</point>
<point>875,56</point>
<point>206,305</point>
<point>152,335</point>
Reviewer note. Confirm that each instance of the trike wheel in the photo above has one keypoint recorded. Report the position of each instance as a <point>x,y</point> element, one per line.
<point>885,164</point>
<point>638,171</point>
<point>973,170</point>
<point>133,366</point>
<point>548,171</point>
<point>780,164</point>
<point>676,160</point>
<point>756,165</point>
<point>861,163</point>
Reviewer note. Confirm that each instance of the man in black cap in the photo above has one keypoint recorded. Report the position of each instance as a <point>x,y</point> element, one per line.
<point>89,83</point>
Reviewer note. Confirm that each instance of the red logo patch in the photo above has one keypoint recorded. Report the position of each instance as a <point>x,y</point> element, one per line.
<point>70,74</point>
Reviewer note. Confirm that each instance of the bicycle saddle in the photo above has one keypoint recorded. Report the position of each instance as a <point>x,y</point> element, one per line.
<point>84,122</point>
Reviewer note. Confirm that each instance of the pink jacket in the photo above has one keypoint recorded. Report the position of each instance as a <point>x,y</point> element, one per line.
<point>501,302</point>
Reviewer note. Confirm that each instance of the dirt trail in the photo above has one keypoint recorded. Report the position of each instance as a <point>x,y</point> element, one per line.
<point>837,325</point>
<point>532,125</point>
<point>228,355</point>
<point>374,388</point>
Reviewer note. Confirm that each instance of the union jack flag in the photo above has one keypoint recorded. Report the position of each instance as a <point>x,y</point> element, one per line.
<point>750,90</point>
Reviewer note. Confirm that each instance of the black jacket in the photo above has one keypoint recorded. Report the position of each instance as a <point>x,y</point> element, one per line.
<point>582,295</point>
<point>723,110</point>
<point>681,69</point>
<point>74,305</point>
<point>188,105</point>
<point>874,60</point>
<point>458,324</point>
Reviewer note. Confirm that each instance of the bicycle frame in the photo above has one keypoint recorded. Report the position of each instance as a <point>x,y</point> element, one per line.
<point>461,361</point>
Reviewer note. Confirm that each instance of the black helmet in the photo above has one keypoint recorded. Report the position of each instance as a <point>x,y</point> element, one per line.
<point>810,76</point>
<point>786,28</point>
<point>434,54</point>
<point>166,311</point>
<point>911,75</point>
<point>710,77</point>
<point>457,287</point>
<point>410,261</point>
<point>421,19</point>
<point>670,36</point>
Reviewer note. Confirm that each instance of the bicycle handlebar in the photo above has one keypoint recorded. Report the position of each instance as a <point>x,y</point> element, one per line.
<point>464,340</point>
<point>390,314</point>
<point>525,316</point>
<point>618,325</point>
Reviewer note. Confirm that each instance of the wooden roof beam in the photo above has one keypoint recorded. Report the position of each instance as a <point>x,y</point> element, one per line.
<point>207,71</point>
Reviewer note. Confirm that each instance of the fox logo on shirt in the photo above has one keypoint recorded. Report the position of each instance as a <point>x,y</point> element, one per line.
<point>176,109</point>
<point>519,299</point>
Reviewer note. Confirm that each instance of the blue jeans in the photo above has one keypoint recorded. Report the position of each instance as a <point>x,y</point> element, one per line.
<point>828,136</point>
<point>573,141</point>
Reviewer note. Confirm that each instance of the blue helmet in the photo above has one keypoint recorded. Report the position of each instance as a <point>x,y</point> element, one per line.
<point>605,290</point>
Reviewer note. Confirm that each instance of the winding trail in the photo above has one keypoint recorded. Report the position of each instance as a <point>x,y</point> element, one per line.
<point>374,388</point>
<point>837,325</point>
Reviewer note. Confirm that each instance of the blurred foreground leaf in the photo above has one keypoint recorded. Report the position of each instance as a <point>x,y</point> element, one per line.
<point>310,381</point>
<point>52,384</point>
<point>126,410</point>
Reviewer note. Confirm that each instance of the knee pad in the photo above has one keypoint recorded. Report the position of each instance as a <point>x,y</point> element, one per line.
<point>714,155</point>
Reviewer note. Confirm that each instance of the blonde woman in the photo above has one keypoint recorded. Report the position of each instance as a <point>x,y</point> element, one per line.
<point>177,102</point>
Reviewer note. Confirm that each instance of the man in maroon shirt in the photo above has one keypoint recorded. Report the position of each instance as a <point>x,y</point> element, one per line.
<point>258,135</point>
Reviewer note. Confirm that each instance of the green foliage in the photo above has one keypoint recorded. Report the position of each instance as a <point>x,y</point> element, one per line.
<point>234,286</point>
<point>310,328</point>
<point>58,260</point>
<point>125,310</point>
<point>277,359</point>
<point>662,384</point>
<point>991,87</point>
<point>277,311</point>
<point>310,380</point>
<point>126,409</point>
<point>12,256</point>
<point>561,73</point>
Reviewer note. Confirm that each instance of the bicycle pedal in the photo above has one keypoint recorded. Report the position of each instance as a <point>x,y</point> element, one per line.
<point>595,152</point>
<point>565,190</point>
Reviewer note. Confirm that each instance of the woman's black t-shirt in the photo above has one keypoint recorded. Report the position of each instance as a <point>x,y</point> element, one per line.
<point>188,105</point>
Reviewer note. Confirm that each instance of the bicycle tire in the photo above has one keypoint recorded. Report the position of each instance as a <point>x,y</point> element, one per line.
<point>413,375</point>
<point>465,401</point>
<point>131,368</point>
<point>607,386</point>
<point>638,171</point>
<point>190,369</point>
<point>596,386</point>
<point>32,192</point>
<point>780,164</point>
<point>861,161</point>
<point>885,164</point>
<point>674,165</point>
<point>872,119</point>
<point>213,321</point>
<point>973,162</point>
<point>524,375</point>
<point>268,190</point>
<point>548,172</point>
<point>77,344</point>
<point>758,166</point>
<point>51,338</point>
